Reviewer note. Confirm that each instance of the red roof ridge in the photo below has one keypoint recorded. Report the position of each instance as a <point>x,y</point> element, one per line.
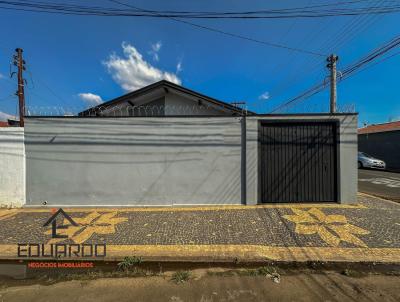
<point>383,127</point>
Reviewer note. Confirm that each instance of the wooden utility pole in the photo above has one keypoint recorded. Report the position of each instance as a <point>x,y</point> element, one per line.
<point>20,63</point>
<point>332,59</point>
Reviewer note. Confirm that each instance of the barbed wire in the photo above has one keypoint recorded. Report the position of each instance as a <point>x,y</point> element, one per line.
<point>124,110</point>
<point>316,108</point>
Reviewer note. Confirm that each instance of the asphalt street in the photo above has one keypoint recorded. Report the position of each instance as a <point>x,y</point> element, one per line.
<point>379,183</point>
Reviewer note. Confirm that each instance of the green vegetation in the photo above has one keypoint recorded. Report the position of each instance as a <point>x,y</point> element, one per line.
<point>265,271</point>
<point>181,276</point>
<point>351,273</point>
<point>92,275</point>
<point>129,262</point>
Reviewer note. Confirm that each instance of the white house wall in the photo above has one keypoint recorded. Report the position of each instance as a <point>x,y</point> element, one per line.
<point>12,166</point>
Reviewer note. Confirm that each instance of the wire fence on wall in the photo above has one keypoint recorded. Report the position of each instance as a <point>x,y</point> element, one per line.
<point>123,110</point>
<point>305,107</point>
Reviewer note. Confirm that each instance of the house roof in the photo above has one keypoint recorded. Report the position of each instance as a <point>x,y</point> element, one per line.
<point>392,126</point>
<point>3,124</point>
<point>164,84</point>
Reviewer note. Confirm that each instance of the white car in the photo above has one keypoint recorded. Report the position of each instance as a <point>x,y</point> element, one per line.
<point>367,161</point>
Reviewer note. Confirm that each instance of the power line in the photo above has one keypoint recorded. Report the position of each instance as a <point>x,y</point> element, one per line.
<point>309,66</point>
<point>149,13</point>
<point>230,34</point>
<point>308,11</point>
<point>349,71</point>
<point>47,87</point>
<point>316,11</point>
<point>278,65</point>
<point>343,36</point>
<point>376,63</point>
<point>7,98</point>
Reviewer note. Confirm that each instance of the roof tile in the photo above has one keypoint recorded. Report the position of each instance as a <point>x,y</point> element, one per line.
<point>392,126</point>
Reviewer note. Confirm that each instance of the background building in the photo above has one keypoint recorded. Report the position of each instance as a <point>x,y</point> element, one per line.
<point>383,142</point>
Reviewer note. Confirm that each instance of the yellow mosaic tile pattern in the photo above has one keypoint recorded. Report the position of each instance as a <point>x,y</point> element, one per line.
<point>239,252</point>
<point>7,214</point>
<point>190,208</point>
<point>331,228</point>
<point>93,223</point>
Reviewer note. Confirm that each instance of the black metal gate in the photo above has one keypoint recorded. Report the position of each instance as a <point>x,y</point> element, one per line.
<point>298,162</point>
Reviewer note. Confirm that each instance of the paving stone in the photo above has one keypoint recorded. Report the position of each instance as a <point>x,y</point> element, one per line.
<point>373,223</point>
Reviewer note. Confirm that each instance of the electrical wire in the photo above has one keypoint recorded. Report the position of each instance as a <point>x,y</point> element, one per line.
<point>354,68</point>
<point>7,98</point>
<point>345,35</point>
<point>297,69</point>
<point>229,33</point>
<point>307,11</point>
<point>279,65</point>
<point>317,11</point>
<point>47,87</point>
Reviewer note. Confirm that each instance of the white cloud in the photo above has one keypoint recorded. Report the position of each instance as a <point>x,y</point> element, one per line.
<point>133,72</point>
<point>155,48</point>
<point>264,96</point>
<point>5,116</point>
<point>179,67</point>
<point>90,98</point>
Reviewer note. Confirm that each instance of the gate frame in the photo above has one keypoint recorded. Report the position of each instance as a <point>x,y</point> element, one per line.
<point>287,120</point>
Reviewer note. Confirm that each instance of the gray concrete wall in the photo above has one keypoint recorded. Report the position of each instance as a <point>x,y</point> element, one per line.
<point>158,161</point>
<point>382,145</point>
<point>133,161</point>
<point>348,159</point>
<point>12,166</point>
<point>347,154</point>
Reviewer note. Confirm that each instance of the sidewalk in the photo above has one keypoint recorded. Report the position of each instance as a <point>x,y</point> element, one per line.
<point>365,232</point>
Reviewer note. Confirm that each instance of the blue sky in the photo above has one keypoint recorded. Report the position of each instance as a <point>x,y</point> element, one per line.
<point>85,60</point>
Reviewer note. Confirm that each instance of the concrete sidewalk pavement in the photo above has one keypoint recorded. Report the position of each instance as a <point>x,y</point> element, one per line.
<point>365,232</point>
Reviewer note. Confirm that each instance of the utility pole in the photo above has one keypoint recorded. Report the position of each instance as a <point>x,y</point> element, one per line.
<point>332,59</point>
<point>20,63</point>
